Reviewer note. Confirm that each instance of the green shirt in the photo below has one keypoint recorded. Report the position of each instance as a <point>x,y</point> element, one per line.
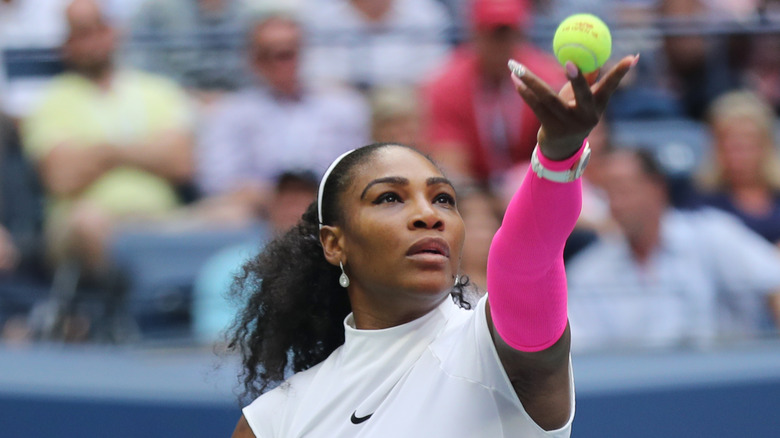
<point>136,108</point>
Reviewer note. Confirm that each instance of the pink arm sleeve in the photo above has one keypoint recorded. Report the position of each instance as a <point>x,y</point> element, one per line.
<point>526,281</point>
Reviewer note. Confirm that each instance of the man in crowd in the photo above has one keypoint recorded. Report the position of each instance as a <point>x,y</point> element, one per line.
<point>111,145</point>
<point>478,127</point>
<point>212,311</point>
<point>375,43</point>
<point>668,278</point>
<point>279,124</point>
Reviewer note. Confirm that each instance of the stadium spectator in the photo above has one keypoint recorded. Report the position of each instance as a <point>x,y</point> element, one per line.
<point>111,145</point>
<point>761,72</point>
<point>476,127</point>
<point>700,65</point>
<point>671,278</point>
<point>376,42</point>
<point>293,193</point>
<point>396,116</point>
<point>277,125</point>
<point>743,175</point>
<point>211,309</point>
<point>197,43</point>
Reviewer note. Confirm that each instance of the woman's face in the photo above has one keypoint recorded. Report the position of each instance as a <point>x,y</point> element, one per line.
<point>740,149</point>
<point>402,233</point>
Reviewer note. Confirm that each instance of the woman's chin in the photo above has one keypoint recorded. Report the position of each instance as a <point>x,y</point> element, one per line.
<point>433,287</point>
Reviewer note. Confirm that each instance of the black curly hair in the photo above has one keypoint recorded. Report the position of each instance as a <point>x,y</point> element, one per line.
<point>294,308</point>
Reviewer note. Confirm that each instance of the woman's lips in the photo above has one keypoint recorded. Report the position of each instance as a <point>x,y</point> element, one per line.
<point>430,249</point>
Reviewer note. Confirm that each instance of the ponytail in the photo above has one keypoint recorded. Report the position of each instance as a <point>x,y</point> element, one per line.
<point>293,317</point>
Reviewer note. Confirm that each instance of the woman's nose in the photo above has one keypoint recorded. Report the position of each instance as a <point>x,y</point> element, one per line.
<point>426,216</point>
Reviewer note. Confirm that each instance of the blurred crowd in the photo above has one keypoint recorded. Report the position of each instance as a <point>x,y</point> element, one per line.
<point>149,147</point>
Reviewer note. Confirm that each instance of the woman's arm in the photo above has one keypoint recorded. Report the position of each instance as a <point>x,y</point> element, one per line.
<point>526,278</point>
<point>243,430</point>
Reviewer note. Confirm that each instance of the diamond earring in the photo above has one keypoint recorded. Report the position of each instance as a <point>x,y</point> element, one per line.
<point>343,279</point>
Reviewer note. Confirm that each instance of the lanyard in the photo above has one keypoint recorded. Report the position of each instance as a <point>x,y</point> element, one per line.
<point>499,121</point>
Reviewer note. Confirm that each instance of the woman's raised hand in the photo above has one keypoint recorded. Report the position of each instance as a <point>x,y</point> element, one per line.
<point>567,117</point>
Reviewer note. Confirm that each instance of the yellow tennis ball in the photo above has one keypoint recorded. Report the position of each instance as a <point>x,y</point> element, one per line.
<point>584,40</point>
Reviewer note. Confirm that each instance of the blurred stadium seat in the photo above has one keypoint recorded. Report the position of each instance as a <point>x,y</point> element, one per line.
<point>25,72</point>
<point>679,144</point>
<point>161,267</point>
<point>727,392</point>
<point>32,62</point>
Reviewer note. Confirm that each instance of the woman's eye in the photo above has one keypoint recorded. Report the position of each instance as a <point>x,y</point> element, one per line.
<point>445,198</point>
<point>387,197</point>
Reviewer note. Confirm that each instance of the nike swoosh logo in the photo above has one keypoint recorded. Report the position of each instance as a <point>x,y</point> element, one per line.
<point>357,420</point>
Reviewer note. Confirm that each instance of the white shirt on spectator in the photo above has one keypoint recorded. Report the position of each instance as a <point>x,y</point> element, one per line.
<point>254,136</point>
<point>344,46</point>
<point>708,280</point>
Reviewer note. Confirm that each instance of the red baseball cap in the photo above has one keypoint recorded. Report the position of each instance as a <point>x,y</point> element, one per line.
<point>489,14</point>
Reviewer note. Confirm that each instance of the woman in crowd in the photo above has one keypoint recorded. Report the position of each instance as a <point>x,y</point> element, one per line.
<point>743,176</point>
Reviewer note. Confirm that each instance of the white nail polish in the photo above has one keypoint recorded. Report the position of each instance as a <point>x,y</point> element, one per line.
<point>516,68</point>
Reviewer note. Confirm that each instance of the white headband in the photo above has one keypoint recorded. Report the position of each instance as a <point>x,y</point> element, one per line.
<point>324,180</point>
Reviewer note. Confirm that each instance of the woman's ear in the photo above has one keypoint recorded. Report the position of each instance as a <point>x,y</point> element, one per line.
<point>332,242</point>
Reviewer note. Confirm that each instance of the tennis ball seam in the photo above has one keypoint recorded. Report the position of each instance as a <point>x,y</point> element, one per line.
<point>580,46</point>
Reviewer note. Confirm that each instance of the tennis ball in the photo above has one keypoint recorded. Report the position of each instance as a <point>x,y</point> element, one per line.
<point>584,40</point>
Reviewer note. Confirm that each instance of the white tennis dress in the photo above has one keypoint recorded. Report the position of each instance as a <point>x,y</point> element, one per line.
<point>437,376</point>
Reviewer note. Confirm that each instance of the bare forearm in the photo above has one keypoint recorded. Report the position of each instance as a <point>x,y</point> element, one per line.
<point>67,169</point>
<point>169,156</point>
<point>242,429</point>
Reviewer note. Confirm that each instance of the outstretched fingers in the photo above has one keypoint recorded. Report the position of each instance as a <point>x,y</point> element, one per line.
<point>583,95</point>
<point>604,88</point>
<point>574,111</point>
<point>542,99</point>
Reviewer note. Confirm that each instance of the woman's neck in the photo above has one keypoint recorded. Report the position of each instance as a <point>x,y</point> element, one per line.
<point>371,314</point>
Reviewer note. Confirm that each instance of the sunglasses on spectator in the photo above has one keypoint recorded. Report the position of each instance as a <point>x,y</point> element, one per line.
<point>276,55</point>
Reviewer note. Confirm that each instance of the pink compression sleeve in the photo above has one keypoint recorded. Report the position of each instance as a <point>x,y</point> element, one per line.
<point>526,281</point>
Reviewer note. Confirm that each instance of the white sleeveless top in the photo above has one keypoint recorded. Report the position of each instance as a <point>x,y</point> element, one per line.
<point>437,376</point>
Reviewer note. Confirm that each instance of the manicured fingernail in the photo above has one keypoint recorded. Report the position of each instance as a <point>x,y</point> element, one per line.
<point>516,68</point>
<point>518,82</point>
<point>571,70</point>
<point>636,60</point>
